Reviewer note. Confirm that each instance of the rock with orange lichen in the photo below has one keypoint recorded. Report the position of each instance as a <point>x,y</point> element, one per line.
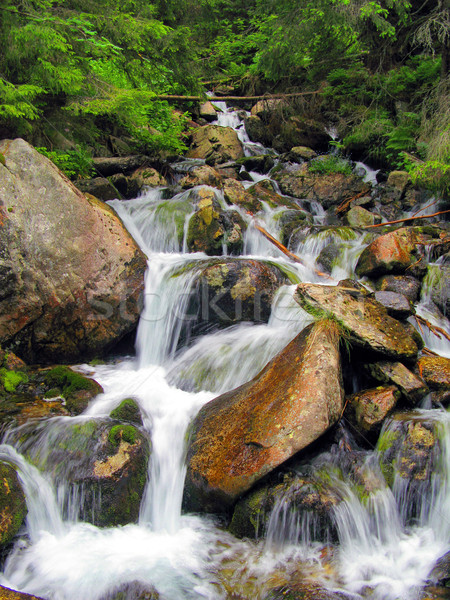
<point>8,594</point>
<point>244,434</point>
<point>366,321</point>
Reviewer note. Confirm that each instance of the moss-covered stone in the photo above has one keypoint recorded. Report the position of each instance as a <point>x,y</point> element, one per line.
<point>128,411</point>
<point>75,388</point>
<point>106,459</point>
<point>127,433</point>
<point>211,228</point>
<point>13,508</point>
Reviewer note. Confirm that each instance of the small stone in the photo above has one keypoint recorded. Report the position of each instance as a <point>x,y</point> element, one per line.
<point>397,305</point>
<point>368,409</point>
<point>401,284</point>
<point>411,387</point>
<point>398,180</point>
<point>360,217</point>
<point>435,370</point>
<point>208,112</point>
<point>301,153</point>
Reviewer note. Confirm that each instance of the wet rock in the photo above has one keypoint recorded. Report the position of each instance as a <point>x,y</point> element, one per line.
<point>328,189</point>
<point>126,187</point>
<point>8,594</point>
<point>208,112</point>
<point>118,164</point>
<point>411,387</point>
<point>435,370</point>
<point>13,508</point>
<point>242,435</point>
<point>368,409</point>
<point>235,193</point>
<point>133,590</point>
<point>296,131</point>
<point>301,153</point>
<point>401,284</point>
<point>360,217</point>
<point>230,291</point>
<point>407,451</point>
<point>264,109</point>
<point>79,273</point>
<point>257,130</point>
<point>211,228</point>
<point>128,411</point>
<point>260,163</point>
<point>398,180</point>
<point>76,389</point>
<point>327,257</point>
<point>148,177</point>
<point>397,305</point>
<point>393,252</point>
<point>99,187</point>
<point>291,220</point>
<point>438,283</point>
<point>203,175</point>
<point>263,192</point>
<point>299,590</point>
<point>104,459</point>
<point>365,321</point>
<point>215,144</point>
<point>298,497</point>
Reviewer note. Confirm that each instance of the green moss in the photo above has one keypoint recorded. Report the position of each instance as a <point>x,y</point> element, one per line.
<point>128,410</point>
<point>67,381</point>
<point>330,164</point>
<point>127,433</point>
<point>11,379</point>
<point>78,436</point>
<point>386,440</point>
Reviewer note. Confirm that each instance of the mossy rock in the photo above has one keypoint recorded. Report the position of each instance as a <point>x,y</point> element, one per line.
<point>128,411</point>
<point>108,460</point>
<point>75,388</point>
<point>13,508</point>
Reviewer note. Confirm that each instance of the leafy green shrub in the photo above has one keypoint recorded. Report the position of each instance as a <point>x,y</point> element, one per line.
<point>75,164</point>
<point>326,165</point>
<point>432,174</point>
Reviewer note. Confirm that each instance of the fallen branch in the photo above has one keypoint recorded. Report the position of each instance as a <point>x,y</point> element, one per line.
<point>288,253</point>
<point>346,203</point>
<point>442,212</point>
<point>437,331</point>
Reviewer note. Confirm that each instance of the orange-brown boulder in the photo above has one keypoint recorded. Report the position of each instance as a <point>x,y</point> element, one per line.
<point>244,434</point>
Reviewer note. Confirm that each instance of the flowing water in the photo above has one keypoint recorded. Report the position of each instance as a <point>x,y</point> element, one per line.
<point>383,546</point>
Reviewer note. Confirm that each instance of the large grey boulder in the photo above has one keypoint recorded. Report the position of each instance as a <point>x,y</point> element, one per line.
<point>70,274</point>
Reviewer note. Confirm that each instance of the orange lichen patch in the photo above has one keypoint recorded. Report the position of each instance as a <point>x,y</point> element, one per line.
<point>107,468</point>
